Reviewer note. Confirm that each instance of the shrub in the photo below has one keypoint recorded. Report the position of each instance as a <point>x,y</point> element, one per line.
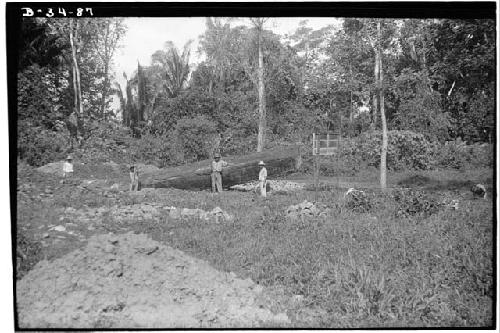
<point>406,150</point>
<point>357,201</point>
<point>105,141</point>
<point>28,252</point>
<point>38,146</point>
<point>156,149</point>
<point>237,141</point>
<point>457,155</point>
<point>197,137</point>
<point>482,155</point>
<point>452,154</point>
<point>414,203</point>
<point>38,96</point>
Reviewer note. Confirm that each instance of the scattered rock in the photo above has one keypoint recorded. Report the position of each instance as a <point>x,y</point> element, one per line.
<point>59,228</point>
<point>174,213</point>
<point>298,298</point>
<point>453,204</point>
<point>275,185</point>
<point>187,212</point>
<point>216,214</point>
<point>479,190</point>
<point>304,209</point>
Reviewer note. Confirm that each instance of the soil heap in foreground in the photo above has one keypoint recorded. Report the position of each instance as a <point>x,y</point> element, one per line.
<point>131,281</point>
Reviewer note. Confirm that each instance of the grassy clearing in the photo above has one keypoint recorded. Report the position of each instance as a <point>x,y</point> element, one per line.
<point>348,269</point>
<point>364,270</point>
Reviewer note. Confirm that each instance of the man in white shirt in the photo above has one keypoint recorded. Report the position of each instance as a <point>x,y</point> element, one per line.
<point>262,179</point>
<point>68,167</point>
<point>217,165</point>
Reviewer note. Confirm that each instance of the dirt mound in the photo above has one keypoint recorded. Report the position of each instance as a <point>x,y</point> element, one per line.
<point>132,281</point>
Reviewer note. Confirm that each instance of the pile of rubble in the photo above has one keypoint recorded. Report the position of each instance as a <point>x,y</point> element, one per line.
<point>142,212</point>
<point>275,185</point>
<point>132,281</point>
<point>55,168</point>
<point>305,209</point>
<point>216,214</point>
<point>136,212</point>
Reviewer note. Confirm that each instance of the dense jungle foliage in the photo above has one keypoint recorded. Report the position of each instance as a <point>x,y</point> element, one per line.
<point>439,88</point>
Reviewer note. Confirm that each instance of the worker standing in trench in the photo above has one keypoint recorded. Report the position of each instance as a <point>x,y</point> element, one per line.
<point>217,165</point>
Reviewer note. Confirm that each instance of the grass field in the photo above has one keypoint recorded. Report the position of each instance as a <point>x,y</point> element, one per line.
<point>347,269</point>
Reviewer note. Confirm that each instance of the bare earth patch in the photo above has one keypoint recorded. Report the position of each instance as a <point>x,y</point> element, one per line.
<point>129,280</point>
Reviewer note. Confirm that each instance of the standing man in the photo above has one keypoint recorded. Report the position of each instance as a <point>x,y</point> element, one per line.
<point>134,178</point>
<point>217,165</point>
<point>262,179</point>
<point>68,167</point>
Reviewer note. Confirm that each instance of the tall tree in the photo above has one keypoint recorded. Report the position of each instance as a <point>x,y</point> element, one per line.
<point>78,106</point>
<point>380,87</point>
<point>381,36</point>
<point>261,136</point>
<point>141,93</point>
<point>107,36</point>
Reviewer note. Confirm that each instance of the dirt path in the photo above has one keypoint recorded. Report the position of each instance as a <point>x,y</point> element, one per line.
<point>132,281</point>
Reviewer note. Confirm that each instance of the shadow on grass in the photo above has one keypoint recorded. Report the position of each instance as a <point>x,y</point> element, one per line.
<point>433,184</point>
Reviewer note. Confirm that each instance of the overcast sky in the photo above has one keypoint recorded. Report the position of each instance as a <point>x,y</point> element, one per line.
<point>146,35</point>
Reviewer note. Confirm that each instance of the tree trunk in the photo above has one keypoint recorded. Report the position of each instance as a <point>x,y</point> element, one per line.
<point>141,93</point>
<point>76,75</point>
<point>383,153</point>
<point>241,169</point>
<point>106,73</point>
<point>375,94</point>
<point>350,91</point>
<point>262,98</point>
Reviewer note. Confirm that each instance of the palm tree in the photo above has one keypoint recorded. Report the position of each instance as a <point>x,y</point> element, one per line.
<point>173,67</point>
<point>220,45</point>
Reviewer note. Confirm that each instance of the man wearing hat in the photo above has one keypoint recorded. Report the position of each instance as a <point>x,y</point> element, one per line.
<point>217,165</point>
<point>262,179</point>
<point>68,167</point>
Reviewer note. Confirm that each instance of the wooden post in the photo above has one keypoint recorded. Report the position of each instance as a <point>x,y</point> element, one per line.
<point>316,144</point>
<point>298,162</point>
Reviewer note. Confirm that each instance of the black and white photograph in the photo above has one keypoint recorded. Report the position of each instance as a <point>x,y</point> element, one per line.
<point>274,165</point>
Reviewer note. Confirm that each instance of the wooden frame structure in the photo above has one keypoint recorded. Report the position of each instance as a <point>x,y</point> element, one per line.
<point>327,144</point>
